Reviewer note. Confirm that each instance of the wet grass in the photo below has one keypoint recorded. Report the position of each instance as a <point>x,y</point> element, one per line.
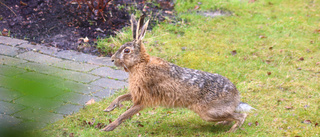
<point>269,48</point>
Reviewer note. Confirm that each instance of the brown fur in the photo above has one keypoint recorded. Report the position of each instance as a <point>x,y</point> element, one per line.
<point>156,82</point>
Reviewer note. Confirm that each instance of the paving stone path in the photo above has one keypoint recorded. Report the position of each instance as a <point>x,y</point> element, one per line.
<point>39,85</point>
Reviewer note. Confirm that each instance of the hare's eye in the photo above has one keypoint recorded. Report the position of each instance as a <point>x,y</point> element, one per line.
<point>127,50</point>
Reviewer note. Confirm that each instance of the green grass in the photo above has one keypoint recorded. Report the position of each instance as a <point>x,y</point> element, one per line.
<point>269,36</point>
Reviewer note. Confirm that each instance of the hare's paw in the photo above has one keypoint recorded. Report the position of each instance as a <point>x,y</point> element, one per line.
<point>111,107</point>
<point>110,127</point>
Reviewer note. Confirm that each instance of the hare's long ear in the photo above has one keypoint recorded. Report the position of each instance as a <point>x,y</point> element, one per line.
<point>139,26</point>
<point>134,26</point>
<point>143,31</point>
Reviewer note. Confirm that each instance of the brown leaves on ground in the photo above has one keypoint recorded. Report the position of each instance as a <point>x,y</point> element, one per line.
<point>262,37</point>
<point>288,107</point>
<point>234,52</point>
<point>307,122</point>
<point>99,126</point>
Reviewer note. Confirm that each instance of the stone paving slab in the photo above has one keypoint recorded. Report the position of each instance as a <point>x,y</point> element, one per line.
<point>101,61</point>
<point>110,83</point>
<point>73,55</point>
<point>104,93</point>
<point>40,58</point>
<point>8,121</point>
<point>11,51</point>
<point>76,76</point>
<point>11,41</point>
<point>32,66</point>
<point>9,108</point>
<point>38,103</point>
<point>8,95</point>
<point>10,71</point>
<point>74,98</point>
<point>112,73</point>
<point>68,109</point>
<point>78,87</point>
<point>38,115</point>
<point>78,66</point>
<point>5,60</point>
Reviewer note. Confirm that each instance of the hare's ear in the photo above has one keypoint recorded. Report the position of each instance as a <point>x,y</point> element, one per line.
<point>143,31</point>
<point>140,23</point>
<point>134,26</point>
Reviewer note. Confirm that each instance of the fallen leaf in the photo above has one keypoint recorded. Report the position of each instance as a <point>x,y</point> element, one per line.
<point>99,125</point>
<point>249,124</point>
<point>91,101</point>
<point>71,135</point>
<point>289,107</point>
<point>299,68</point>
<point>234,52</point>
<point>257,123</point>
<point>315,125</point>
<point>110,121</point>
<point>301,59</point>
<point>196,7</point>
<point>317,30</point>
<point>23,4</point>
<point>86,39</point>
<point>311,42</point>
<point>307,122</point>
<point>168,12</point>
<point>140,125</point>
<point>270,48</point>
<point>262,37</point>
<point>269,73</point>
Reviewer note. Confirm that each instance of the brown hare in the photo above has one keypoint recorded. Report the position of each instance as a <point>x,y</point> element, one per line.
<point>156,82</point>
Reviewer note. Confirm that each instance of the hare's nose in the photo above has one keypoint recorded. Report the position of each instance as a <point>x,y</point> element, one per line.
<point>112,60</point>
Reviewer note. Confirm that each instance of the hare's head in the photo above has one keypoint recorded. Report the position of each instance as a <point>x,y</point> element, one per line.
<point>132,53</point>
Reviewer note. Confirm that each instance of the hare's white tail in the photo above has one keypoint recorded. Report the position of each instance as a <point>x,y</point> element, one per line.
<point>244,107</point>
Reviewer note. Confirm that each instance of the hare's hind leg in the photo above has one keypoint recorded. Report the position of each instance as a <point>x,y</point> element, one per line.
<point>239,118</point>
<point>224,117</point>
<point>117,101</point>
<point>130,112</point>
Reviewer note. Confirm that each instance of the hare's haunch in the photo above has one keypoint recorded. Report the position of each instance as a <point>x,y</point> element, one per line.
<point>156,82</point>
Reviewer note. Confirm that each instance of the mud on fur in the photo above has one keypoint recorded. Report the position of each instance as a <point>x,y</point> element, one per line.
<point>156,82</point>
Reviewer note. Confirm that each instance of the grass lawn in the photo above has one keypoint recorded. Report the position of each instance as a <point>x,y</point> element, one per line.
<point>270,49</point>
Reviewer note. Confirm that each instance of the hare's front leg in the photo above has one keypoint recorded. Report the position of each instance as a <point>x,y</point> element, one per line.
<point>117,101</point>
<point>130,112</point>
